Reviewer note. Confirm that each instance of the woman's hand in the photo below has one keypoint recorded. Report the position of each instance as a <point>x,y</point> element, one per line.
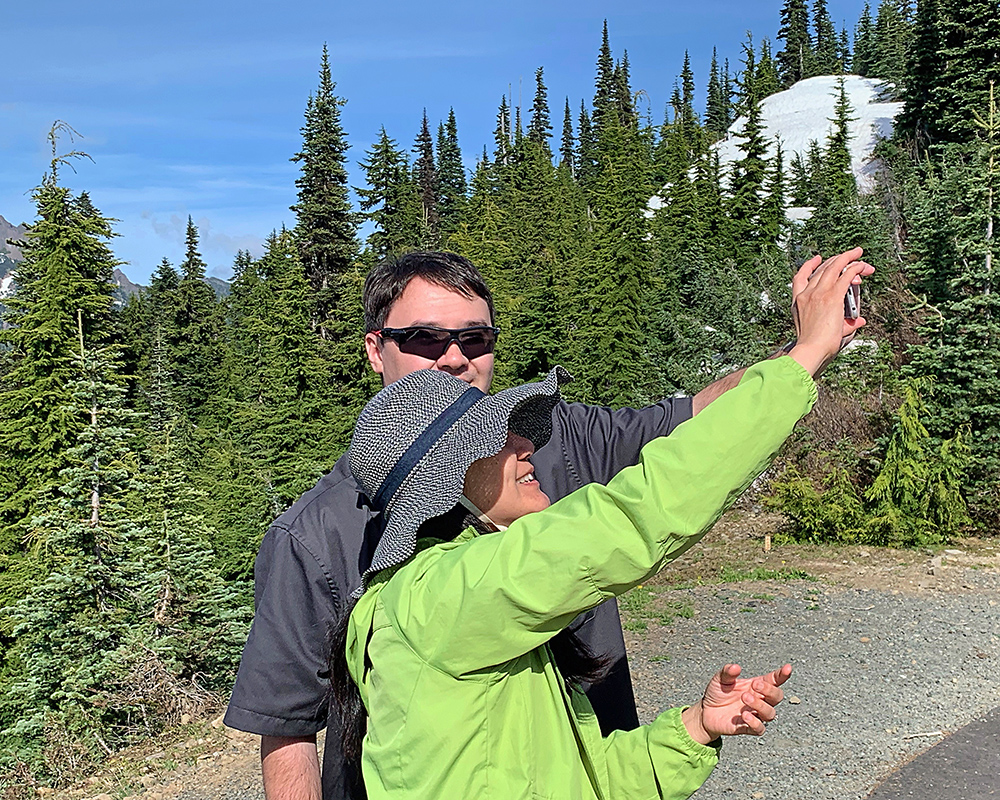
<point>732,705</point>
<point>818,291</point>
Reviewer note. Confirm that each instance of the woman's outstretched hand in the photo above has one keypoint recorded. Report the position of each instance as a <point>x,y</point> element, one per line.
<point>818,291</point>
<point>733,705</point>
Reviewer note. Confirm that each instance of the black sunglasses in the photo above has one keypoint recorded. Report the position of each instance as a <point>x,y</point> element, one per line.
<point>432,343</point>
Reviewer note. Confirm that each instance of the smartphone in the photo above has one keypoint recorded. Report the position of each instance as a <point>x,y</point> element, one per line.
<point>852,302</point>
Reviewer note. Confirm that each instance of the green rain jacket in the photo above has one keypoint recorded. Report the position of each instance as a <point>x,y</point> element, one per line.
<point>449,650</point>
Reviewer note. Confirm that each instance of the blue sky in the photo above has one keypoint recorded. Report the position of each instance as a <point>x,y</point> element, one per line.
<point>195,108</point>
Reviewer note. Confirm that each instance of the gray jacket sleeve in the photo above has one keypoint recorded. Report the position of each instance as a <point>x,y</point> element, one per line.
<point>592,444</point>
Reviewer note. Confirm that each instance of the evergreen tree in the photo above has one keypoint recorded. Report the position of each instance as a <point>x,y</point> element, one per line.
<point>390,200</point>
<point>72,628</point>
<point>62,283</point>
<point>794,60</point>
<point>890,40</point>
<point>766,78</point>
<point>540,126</point>
<point>604,83</point>
<point>925,66</point>
<point>748,175</point>
<point>838,180</point>
<point>567,147</point>
<point>717,104</point>
<point>587,150</point>
<point>452,186</point>
<point>971,33</point>
<point>825,43</point>
<point>844,59</point>
<point>195,351</point>
<point>425,175</point>
<point>952,236</point>
<point>864,43</point>
<point>326,227</point>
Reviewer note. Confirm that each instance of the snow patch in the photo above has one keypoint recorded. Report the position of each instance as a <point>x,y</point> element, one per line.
<point>804,113</point>
<point>6,283</point>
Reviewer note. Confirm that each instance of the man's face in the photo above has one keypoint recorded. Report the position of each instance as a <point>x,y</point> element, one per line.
<point>425,303</point>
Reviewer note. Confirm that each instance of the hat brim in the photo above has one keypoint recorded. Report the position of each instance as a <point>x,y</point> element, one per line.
<point>434,485</point>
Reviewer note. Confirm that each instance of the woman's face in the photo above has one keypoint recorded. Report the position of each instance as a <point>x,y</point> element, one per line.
<point>503,486</point>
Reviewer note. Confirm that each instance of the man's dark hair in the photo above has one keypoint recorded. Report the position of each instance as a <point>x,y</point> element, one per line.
<point>387,280</point>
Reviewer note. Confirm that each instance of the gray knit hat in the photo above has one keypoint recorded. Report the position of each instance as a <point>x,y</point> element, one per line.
<point>416,439</point>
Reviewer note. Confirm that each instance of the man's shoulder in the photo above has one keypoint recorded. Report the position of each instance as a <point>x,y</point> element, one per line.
<point>334,504</point>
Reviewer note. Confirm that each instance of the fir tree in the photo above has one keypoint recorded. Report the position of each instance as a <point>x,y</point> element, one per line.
<point>971,33</point>
<point>326,227</point>
<point>62,283</point>
<point>890,40</point>
<point>717,104</point>
<point>604,83</point>
<point>390,200</point>
<point>195,351</point>
<point>540,126</point>
<point>452,186</point>
<point>795,57</point>
<point>864,43</point>
<point>586,152</point>
<point>425,175</point>
<point>825,42</point>
<point>567,146</point>
<point>766,78</point>
<point>925,66</point>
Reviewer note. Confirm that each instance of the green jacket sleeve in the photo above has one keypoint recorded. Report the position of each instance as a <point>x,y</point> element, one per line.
<point>660,757</point>
<point>483,602</point>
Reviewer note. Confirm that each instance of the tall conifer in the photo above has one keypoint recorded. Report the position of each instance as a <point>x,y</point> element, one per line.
<point>326,228</point>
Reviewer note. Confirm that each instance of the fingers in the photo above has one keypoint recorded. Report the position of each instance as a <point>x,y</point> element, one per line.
<point>801,279</point>
<point>728,675</point>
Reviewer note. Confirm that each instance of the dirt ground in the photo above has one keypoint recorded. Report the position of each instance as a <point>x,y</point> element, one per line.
<point>207,761</point>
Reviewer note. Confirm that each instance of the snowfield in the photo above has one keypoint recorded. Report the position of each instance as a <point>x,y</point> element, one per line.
<point>805,112</point>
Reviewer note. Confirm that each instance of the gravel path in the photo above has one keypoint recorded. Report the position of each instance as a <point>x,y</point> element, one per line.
<point>873,672</point>
<point>877,669</point>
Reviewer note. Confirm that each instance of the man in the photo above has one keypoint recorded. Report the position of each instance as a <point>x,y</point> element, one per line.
<point>426,310</point>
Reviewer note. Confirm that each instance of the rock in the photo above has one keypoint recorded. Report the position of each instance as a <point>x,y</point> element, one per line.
<point>794,700</point>
<point>953,552</point>
<point>102,796</point>
<point>185,719</point>
<point>864,639</point>
<point>758,795</point>
<point>148,781</point>
<point>217,722</point>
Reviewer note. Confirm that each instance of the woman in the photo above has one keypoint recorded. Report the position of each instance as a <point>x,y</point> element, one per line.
<point>457,643</point>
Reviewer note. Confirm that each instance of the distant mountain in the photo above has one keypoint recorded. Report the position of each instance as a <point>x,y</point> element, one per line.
<point>124,288</point>
<point>10,252</point>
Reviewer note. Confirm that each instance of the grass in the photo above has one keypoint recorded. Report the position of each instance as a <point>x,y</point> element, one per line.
<point>730,574</point>
<point>640,606</point>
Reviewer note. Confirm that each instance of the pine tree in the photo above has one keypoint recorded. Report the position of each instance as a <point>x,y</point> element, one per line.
<point>586,152</point>
<point>890,40</point>
<point>326,227</point>
<point>952,236</point>
<point>604,83</point>
<point>766,78</point>
<point>425,175</point>
<point>838,182</point>
<point>795,58</point>
<point>453,188</point>
<point>72,628</point>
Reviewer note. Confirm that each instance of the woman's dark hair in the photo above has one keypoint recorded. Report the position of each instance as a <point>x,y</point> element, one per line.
<point>577,664</point>
<point>388,279</point>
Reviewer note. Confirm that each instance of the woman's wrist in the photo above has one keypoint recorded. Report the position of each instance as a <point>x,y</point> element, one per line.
<point>811,357</point>
<point>693,718</point>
